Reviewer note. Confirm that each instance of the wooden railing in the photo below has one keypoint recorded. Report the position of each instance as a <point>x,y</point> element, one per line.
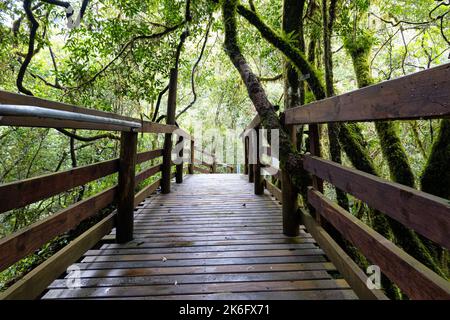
<point>422,95</point>
<point>21,193</point>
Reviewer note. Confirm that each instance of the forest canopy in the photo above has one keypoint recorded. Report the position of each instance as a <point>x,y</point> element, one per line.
<point>235,59</point>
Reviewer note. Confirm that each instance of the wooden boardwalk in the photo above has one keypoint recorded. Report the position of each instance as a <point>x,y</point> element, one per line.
<point>210,238</point>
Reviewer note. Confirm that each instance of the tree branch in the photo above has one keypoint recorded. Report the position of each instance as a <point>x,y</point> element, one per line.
<point>34,25</point>
<point>292,53</point>
<point>194,69</point>
<point>87,139</point>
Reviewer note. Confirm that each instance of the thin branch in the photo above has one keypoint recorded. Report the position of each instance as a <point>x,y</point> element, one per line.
<point>87,139</point>
<point>34,25</point>
<point>158,102</point>
<point>124,48</point>
<point>208,28</point>
<point>269,79</point>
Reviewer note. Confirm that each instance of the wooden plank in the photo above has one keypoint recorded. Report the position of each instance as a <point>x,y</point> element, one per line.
<point>152,127</point>
<point>148,155</point>
<point>273,190</point>
<point>145,174</point>
<point>36,281</point>
<point>156,290</point>
<point>21,193</point>
<point>242,268</point>
<point>199,169</point>
<point>179,167</point>
<point>184,249</point>
<point>20,99</point>
<point>258,183</point>
<point>425,94</point>
<point>194,279</point>
<point>427,214</point>
<point>415,279</point>
<point>146,192</point>
<point>356,278</point>
<point>170,119</point>
<point>256,121</point>
<point>192,157</point>
<point>125,188</point>
<point>21,243</point>
<point>40,122</point>
<point>342,294</point>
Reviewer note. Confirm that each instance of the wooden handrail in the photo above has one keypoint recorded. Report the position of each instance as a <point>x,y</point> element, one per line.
<point>21,193</point>
<point>45,186</point>
<point>418,281</point>
<point>421,95</point>
<point>23,242</point>
<point>26,121</point>
<point>427,214</point>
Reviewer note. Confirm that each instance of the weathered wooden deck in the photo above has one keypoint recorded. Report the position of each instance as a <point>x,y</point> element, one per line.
<point>211,238</point>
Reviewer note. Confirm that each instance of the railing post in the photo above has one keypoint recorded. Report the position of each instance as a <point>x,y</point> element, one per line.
<point>246,155</point>
<point>170,119</point>
<point>259,186</point>
<point>214,165</point>
<point>251,155</point>
<point>179,172</point>
<point>192,151</point>
<point>125,190</point>
<point>314,149</point>
<point>289,198</point>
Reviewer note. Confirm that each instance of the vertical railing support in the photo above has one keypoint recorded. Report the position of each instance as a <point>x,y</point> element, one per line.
<point>314,149</point>
<point>125,190</point>
<point>289,198</point>
<point>170,119</point>
<point>192,151</point>
<point>246,155</point>
<point>179,172</point>
<point>252,158</point>
<point>214,165</point>
<point>259,186</point>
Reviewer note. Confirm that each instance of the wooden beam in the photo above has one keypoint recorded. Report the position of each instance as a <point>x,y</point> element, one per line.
<point>153,127</point>
<point>427,214</point>
<point>274,191</point>
<point>25,100</point>
<point>355,277</point>
<point>421,95</point>
<point>20,99</point>
<point>125,201</point>
<point>258,183</point>
<point>192,157</point>
<point>170,120</point>
<point>148,155</point>
<point>21,193</point>
<point>179,167</point>
<point>141,176</point>
<point>201,170</point>
<point>415,279</point>
<point>16,121</point>
<point>35,282</point>
<point>146,192</point>
<point>24,242</point>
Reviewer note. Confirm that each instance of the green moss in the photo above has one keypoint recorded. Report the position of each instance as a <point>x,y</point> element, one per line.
<point>436,175</point>
<point>400,171</point>
<point>394,153</point>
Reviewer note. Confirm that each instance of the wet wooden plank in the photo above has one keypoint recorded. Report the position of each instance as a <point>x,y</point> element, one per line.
<point>211,236</point>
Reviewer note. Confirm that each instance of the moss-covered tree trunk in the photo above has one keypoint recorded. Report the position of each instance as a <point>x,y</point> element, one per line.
<point>393,152</point>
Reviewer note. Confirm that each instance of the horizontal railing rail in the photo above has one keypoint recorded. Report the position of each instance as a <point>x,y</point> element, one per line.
<point>422,95</point>
<point>28,111</point>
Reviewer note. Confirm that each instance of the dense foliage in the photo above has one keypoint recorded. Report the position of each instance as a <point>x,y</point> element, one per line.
<point>118,59</point>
